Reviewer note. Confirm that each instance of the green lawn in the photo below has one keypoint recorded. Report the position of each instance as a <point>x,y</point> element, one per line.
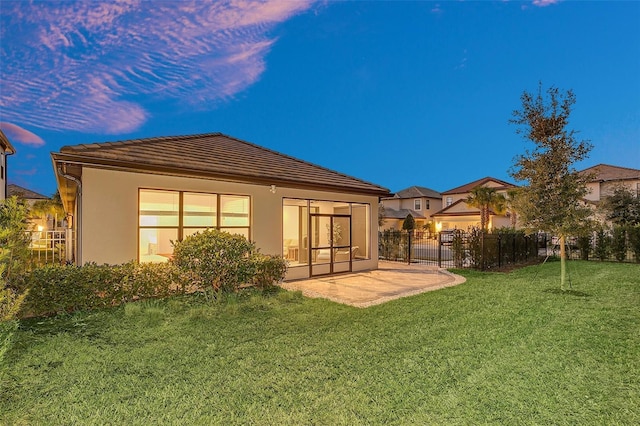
<point>499,349</point>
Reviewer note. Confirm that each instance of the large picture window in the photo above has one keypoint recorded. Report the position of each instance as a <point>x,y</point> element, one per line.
<point>166,216</point>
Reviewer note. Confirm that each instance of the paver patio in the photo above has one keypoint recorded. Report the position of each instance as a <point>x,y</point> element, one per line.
<point>390,281</point>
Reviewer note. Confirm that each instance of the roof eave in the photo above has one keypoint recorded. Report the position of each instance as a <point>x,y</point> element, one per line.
<point>181,171</point>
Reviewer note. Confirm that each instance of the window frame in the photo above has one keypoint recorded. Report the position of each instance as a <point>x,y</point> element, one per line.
<point>351,204</point>
<point>417,204</point>
<point>181,213</point>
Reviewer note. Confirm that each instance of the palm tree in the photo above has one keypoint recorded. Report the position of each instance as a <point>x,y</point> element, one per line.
<point>512,205</point>
<point>486,199</point>
<point>49,207</point>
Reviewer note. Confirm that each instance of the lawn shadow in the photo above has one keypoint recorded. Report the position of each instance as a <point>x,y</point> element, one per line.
<point>575,293</point>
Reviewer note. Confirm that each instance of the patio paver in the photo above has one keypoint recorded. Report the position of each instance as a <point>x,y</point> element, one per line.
<point>390,281</point>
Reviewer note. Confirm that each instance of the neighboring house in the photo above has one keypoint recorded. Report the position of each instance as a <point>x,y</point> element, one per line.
<point>606,178</point>
<point>31,197</point>
<point>418,201</point>
<point>130,199</point>
<point>6,149</point>
<point>457,214</point>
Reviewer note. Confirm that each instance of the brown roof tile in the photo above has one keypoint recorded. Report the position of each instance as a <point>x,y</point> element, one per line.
<point>417,192</point>
<point>214,155</point>
<point>469,186</point>
<point>25,193</point>
<point>606,172</point>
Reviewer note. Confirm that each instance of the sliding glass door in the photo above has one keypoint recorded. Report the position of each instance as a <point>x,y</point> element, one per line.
<point>331,250</point>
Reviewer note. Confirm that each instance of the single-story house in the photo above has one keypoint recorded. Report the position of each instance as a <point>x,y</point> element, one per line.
<point>419,201</point>
<point>129,199</point>
<point>457,214</point>
<point>6,149</point>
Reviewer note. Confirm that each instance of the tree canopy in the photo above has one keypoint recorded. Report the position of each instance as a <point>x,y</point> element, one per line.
<point>551,199</point>
<point>622,207</point>
<point>486,199</point>
<point>409,223</point>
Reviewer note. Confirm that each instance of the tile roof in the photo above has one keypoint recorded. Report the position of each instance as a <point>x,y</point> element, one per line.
<point>6,145</point>
<point>606,172</point>
<point>215,156</point>
<point>401,214</point>
<point>458,209</point>
<point>469,186</point>
<point>25,193</point>
<point>417,192</point>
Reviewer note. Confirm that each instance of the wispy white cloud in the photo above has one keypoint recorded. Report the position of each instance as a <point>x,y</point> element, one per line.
<point>94,66</point>
<point>544,3</point>
<point>463,62</point>
<point>16,133</point>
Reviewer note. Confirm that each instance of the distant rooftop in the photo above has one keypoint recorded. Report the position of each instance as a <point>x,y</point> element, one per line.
<point>417,192</point>
<point>25,193</point>
<point>607,172</point>
<point>471,185</point>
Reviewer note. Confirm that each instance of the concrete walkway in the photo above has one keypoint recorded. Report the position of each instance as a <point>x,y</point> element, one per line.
<point>391,281</point>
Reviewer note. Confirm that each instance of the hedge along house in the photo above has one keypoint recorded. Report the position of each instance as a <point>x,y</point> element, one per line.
<point>128,200</point>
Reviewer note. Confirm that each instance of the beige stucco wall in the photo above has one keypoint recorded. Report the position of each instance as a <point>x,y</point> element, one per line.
<point>594,191</point>
<point>109,202</point>
<point>600,190</point>
<point>3,183</point>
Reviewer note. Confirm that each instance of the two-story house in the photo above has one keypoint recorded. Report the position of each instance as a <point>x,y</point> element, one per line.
<point>418,201</point>
<point>606,179</point>
<point>457,214</point>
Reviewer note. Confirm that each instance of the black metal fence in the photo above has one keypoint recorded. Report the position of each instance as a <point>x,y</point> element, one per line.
<point>620,244</point>
<point>460,249</point>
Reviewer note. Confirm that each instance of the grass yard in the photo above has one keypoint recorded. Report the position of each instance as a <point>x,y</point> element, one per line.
<point>499,349</point>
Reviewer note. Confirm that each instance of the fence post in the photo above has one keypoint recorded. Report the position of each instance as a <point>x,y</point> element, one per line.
<point>483,262</point>
<point>499,251</point>
<point>439,249</point>
<point>409,234</point>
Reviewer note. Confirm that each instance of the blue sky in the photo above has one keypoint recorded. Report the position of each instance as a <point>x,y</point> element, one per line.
<point>396,93</point>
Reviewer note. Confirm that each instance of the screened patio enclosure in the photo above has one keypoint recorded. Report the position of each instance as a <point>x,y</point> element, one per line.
<point>326,237</point>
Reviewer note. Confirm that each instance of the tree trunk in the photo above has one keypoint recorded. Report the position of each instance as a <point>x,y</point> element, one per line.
<point>563,266</point>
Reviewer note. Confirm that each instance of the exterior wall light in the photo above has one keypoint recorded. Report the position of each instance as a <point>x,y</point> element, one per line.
<point>273,189</point>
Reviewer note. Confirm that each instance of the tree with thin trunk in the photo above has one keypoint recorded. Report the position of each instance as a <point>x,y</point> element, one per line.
<point>512,206</point>
<point>486,199</point>
<point>552,198</point>
<point>409,223</point>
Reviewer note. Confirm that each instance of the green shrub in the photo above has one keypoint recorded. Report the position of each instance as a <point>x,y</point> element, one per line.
<point>65,288</point>
<point>634,241</point>
<point>603,244</point>
<point>14,238</point>
<point>619,243</point>
<point>215,260</point>
<point>154,280</point>
<point>457,247</point>
<point>584,245</point>
<point>475,244</point>
<point>267,270</point>
<point>409,223</point>
<point>390,241</point>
